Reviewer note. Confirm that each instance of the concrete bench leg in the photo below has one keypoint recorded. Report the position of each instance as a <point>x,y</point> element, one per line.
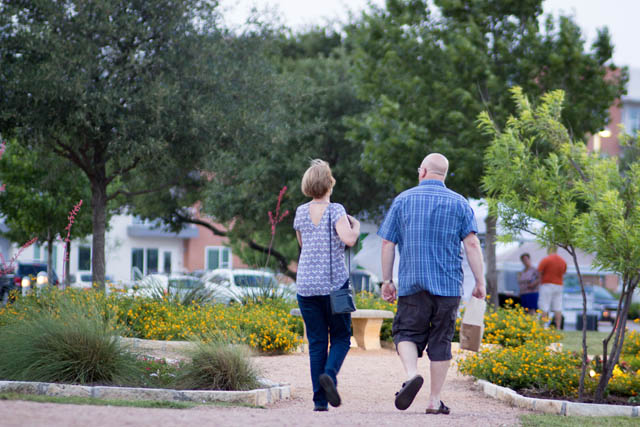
<point>367,333</point>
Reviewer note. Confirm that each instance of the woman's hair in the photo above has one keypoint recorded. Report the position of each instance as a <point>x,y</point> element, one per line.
<point>317,180</point>
<point>524,255</point>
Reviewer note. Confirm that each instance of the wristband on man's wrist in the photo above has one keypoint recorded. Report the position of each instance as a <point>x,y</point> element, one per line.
<point>384,282</point>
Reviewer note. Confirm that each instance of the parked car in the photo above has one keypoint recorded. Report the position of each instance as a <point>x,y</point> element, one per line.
<point>242,284</point>
<point>158,284</point>
<point>27,272</point>
<point>599,300</point>
<point>85,281</point>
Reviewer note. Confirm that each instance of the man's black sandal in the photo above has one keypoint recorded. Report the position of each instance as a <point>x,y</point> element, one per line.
<point>408,392</point>
<point>330,390</point>
<point>443,409</point>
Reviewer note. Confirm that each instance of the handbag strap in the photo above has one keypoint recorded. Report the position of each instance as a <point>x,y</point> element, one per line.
<point>331,252</point>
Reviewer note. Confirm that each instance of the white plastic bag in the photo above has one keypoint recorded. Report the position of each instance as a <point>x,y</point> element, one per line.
<point>472,326</point>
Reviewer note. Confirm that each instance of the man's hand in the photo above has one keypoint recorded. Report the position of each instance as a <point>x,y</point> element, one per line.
<point>389,292</point>
<point>479,291</point>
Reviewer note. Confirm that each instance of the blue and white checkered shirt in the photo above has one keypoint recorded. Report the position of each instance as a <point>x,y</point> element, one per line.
<point>428,223</point>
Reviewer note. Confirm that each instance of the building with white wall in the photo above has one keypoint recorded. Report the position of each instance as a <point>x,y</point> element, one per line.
<point>129,243</point>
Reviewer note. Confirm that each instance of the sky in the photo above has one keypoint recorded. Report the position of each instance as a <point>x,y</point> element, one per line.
<point>620,16</point>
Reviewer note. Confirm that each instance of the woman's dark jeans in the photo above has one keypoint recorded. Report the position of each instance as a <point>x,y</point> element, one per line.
<point>322,324</point>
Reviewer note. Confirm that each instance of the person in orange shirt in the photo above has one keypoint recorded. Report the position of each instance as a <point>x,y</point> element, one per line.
<point>552,269</point>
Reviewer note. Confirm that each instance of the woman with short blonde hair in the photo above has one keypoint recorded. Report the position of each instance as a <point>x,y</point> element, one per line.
<point>323,229</point>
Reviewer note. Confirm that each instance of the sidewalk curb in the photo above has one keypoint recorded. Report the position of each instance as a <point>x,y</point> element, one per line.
<point>258,397</point>
<point>556,407</point>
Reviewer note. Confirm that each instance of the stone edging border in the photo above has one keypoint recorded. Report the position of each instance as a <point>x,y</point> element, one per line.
<point>259,397</point>
<point>557,407</point>
<point>142,344</point>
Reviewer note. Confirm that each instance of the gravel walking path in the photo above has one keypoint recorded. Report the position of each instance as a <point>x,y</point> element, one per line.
<point>367,384</point>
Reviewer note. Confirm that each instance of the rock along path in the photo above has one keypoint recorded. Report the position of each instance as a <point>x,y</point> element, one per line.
<point>367,384</point>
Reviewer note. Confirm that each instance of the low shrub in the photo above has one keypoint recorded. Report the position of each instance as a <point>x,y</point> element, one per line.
<point>530,366</point>
<point>634,311</point>
<point>511,326</point>
<point>156,373</point>
<point>66,344</point>
<point>631,345</point>
<point>218,366</point>
<point>369,300</point>
<point>266,327</point>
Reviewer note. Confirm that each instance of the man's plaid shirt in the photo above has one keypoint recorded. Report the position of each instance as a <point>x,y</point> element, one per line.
<point>428,223</point>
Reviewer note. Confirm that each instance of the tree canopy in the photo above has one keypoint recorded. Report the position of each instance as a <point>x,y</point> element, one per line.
<point>40,190</point>
<point>428,74</point>
<point>134,94</point>
<point>536,170</point>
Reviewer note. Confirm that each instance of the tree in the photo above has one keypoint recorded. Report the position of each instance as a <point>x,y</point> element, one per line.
<point>428,77</point>
<point>535,170</point>
<point>303,92</point>
<point>124,90</point>
<point>40,191</point>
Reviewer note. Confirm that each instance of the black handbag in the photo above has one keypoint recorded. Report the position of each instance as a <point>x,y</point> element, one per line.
<point>342,301</point>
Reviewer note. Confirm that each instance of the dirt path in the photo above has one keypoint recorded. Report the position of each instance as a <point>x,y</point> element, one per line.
<point>368,381</point>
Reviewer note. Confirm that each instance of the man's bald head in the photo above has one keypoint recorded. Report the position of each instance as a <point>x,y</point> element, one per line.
<point>435,166</point>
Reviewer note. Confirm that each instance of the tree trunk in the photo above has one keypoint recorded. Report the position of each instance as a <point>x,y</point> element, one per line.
<point>99,207</point>
<point>49,260</point>
<point>491,274</point>
<point>67,264</point>
<point>583,370</point>
<point>618,331</point>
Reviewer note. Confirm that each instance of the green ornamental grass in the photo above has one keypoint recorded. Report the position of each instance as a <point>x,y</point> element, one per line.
<point>217,365</point>
<point>68,345</point>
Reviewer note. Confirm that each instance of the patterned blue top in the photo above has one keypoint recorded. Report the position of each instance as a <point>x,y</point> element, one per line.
<point>313,266</point>
<point>428,222</point>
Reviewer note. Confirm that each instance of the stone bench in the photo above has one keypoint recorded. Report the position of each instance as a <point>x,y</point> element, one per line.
<point>366,326</point>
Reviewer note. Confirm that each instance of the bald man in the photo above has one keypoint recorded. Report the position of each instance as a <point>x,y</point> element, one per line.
<point>428,223</point>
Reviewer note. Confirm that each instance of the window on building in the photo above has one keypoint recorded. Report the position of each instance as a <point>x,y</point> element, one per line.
<point>137,262</point>
<point>217,257</point>
<point>84,258</point>
<point>152,260</point>
<point>632,119</point>
<point>36,252</point>
<point>167,262</point>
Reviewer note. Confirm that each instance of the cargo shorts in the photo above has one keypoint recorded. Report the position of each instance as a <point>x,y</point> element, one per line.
<point>427,320</point>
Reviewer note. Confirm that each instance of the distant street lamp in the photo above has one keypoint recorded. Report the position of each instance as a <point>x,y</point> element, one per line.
<point>604,133</point>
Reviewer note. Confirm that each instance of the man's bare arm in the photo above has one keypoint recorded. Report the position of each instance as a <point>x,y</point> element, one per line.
<point>388,256</point>
<point>474,257</point>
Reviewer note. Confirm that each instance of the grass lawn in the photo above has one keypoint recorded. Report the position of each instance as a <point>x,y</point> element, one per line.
<point>104,402</point>
<point>573,341</point>
<point>559,420</point>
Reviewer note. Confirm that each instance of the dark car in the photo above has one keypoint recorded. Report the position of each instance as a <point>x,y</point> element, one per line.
<point>13,281</point>
<point>598,299</point>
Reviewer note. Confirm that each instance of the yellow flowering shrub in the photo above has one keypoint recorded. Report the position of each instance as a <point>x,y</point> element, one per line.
<point>266,327</point>
<point>529,366</point>
<point>511,326</point>
<point>631,344</point>
<point>371,301</point>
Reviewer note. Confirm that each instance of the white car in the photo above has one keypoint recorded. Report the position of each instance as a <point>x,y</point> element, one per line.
<point>161,284</point>
<point>243,284</point>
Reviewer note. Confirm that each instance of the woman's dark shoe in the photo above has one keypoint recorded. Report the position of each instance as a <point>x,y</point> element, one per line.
<point>330,390</point>
<point>408,392</point>
<point>320,408</point>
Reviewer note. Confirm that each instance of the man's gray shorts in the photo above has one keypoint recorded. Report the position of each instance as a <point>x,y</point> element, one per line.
<point>427,320</point>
